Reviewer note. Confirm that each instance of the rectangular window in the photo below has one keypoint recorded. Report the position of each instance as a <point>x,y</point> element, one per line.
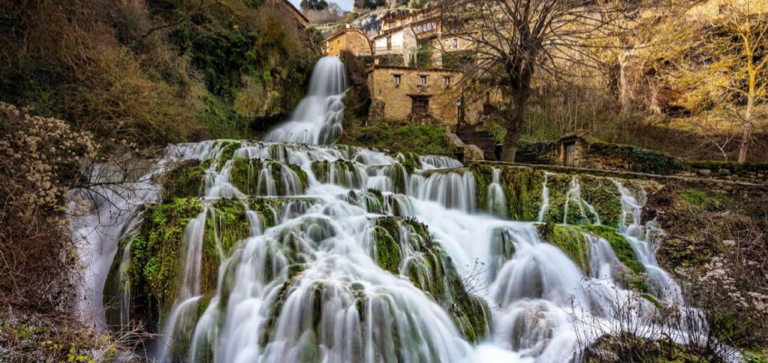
<point>396,79</point>
<point>447,81</point>
<point>454,43</point>
<point>389,43</point>
<point>423,81</point>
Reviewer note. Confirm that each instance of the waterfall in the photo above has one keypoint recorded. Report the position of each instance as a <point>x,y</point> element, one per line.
<point>335,253</point>
<point>317,118</point>
<point>544,199</point>
<point>189,288</point>
<point>574,196</point>
<point>497,202</point>
<point>314,278</point>
<point>644,239</point>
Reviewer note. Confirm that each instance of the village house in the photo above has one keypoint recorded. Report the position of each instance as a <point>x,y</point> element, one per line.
<point>402,92</point>
<point>350,40</point>
<point>398,42</point>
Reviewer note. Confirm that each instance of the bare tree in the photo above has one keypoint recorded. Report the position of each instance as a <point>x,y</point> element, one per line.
<point>747,20</point>
<point>509,41</point>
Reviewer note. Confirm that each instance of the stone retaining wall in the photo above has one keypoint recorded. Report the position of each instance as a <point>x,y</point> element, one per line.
<point>599,155</point>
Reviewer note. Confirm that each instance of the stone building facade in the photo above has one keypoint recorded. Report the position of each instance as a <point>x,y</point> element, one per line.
<point>399,42</point>
<point>406,92</point>
<point>350,40</point>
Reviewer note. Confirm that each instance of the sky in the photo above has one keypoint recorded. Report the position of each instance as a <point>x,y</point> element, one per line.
<point>345,4</point>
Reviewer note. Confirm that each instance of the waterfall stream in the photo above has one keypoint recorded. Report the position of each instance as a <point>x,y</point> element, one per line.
<point>317,118</point>
<point>352,254</point>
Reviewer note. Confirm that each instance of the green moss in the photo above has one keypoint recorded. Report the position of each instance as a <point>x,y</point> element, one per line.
<point>522,188</point>
<point>700,199</point>
<point>225,225</point>
<point>620,246</point>
<point>431,269</point>
<point>156,255</point>
<point>570,240</point>
<point>388,254</point>
<point>637,159</point>
<point>403,136</point>
<point>603,195</point>
<point>245,175</point>
<point>340,169</point>
<point>228,149</point>
<point>410,161</point>
<point>183,181</point>
<point>523,191</point>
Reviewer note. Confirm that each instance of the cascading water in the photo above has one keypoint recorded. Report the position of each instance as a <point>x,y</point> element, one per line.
<point>349,255</point>
<point>317,119</point>
<point>497,202</point>
<point>311,280</point>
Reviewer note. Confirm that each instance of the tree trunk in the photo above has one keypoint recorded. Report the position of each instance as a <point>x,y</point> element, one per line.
<point>515,124</point>
<point>746,137</point>
<point>623,85</point>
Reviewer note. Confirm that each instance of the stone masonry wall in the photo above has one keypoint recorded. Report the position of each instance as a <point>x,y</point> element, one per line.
<point>351,40</point>
<point>398,100</point>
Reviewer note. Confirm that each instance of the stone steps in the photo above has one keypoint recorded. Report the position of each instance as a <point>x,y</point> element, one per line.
<point>481,139</point>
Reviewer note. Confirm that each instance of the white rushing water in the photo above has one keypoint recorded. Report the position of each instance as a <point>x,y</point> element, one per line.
<point>317,118</point>
<point>310,286</point>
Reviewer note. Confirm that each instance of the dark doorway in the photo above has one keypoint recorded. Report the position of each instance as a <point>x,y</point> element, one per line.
<point>419,105</point>
<point>570,154</point>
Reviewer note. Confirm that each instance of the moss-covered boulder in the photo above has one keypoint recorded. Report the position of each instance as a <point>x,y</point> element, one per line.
<point>227,150</point>
<point>258,177</point>
<point>411,161</point>
<point>185,180</point>
<point>570,240</point>
<point>339,172</point>
<point>586,199</point>
<point>522,188</point>
<point>271,210</point>
<point>155,257</point>
<point>225,225</point>
<point>620,246</point>
<point>405,246</point>
<point>573,241</point>
<point>604,196</point>
<point>371,200</point>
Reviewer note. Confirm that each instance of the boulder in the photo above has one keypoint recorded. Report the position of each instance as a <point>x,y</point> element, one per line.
<point>473,153</point>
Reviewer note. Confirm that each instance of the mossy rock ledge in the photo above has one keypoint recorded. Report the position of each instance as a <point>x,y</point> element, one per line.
<point>573,241</point>
<point>405,246</point>
<point>523,189</point>
<point>245,176</point>
<point>157,252</point>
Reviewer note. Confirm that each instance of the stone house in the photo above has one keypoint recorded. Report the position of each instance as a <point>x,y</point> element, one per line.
<point>402,92</point>
<point>350,40</point>
<point>400,42</point>
<point>570,149</point>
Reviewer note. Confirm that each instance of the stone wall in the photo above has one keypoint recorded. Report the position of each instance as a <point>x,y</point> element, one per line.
<point>595,154</point>
<point>751,173</point>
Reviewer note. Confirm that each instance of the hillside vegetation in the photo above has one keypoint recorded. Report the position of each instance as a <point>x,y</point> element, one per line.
<point>155,72</point>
